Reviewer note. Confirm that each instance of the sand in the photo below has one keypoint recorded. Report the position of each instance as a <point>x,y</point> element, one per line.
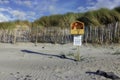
<point>25,61</point>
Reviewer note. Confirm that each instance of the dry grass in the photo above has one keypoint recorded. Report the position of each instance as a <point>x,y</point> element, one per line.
<point>116,52</point>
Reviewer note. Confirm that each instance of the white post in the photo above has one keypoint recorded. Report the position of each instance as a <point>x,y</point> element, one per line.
<point>78,43</point>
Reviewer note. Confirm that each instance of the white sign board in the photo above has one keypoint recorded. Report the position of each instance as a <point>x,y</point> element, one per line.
<point>77,40</point>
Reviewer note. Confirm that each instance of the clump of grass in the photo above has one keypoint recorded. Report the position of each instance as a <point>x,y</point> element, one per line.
<point>116,52</point>
<point>70,54</point>
<point>76,56</point>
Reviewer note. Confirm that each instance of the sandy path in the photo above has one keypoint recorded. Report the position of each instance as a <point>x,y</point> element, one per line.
<point>44,63</point>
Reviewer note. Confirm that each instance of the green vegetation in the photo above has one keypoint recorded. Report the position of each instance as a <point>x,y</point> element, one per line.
<point>99,17</point>
<point>117,9</point>
<point>7,25</point>
<point>101,26</point>
<point>22,23</point>
<point>116,53</point>
<point>12,24</point>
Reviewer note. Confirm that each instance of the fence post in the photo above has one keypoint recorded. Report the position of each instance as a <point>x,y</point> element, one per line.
<point>14,40</point>
<point>36,38</point>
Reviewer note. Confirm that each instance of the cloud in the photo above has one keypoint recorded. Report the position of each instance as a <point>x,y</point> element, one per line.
<point>81,9</point>
<point>4,1</point>
<point>91,2</point>
<point>52,9</point>
<point>54,0</point>
<point>45,6</point>
<point>18,14</point>
<point>27,3</point>
<point>36,9</point>
<point>13,14</point>
<point>30,15</point>
<point>94,5</point>
<point>3,9</point>
<point>107,3</point>
<point>64,6</point>
<point>3,18</point>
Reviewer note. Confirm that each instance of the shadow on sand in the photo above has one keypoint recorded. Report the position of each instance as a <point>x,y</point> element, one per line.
<point>109,75</point>
<point>62,56</point>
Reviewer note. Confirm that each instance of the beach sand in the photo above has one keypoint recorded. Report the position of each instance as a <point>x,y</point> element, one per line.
<point>25,61</point>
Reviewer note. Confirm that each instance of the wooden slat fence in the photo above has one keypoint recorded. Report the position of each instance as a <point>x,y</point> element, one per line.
<point>99,35</point>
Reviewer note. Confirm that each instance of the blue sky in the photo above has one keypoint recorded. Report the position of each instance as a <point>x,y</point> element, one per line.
<point>34,9</point>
